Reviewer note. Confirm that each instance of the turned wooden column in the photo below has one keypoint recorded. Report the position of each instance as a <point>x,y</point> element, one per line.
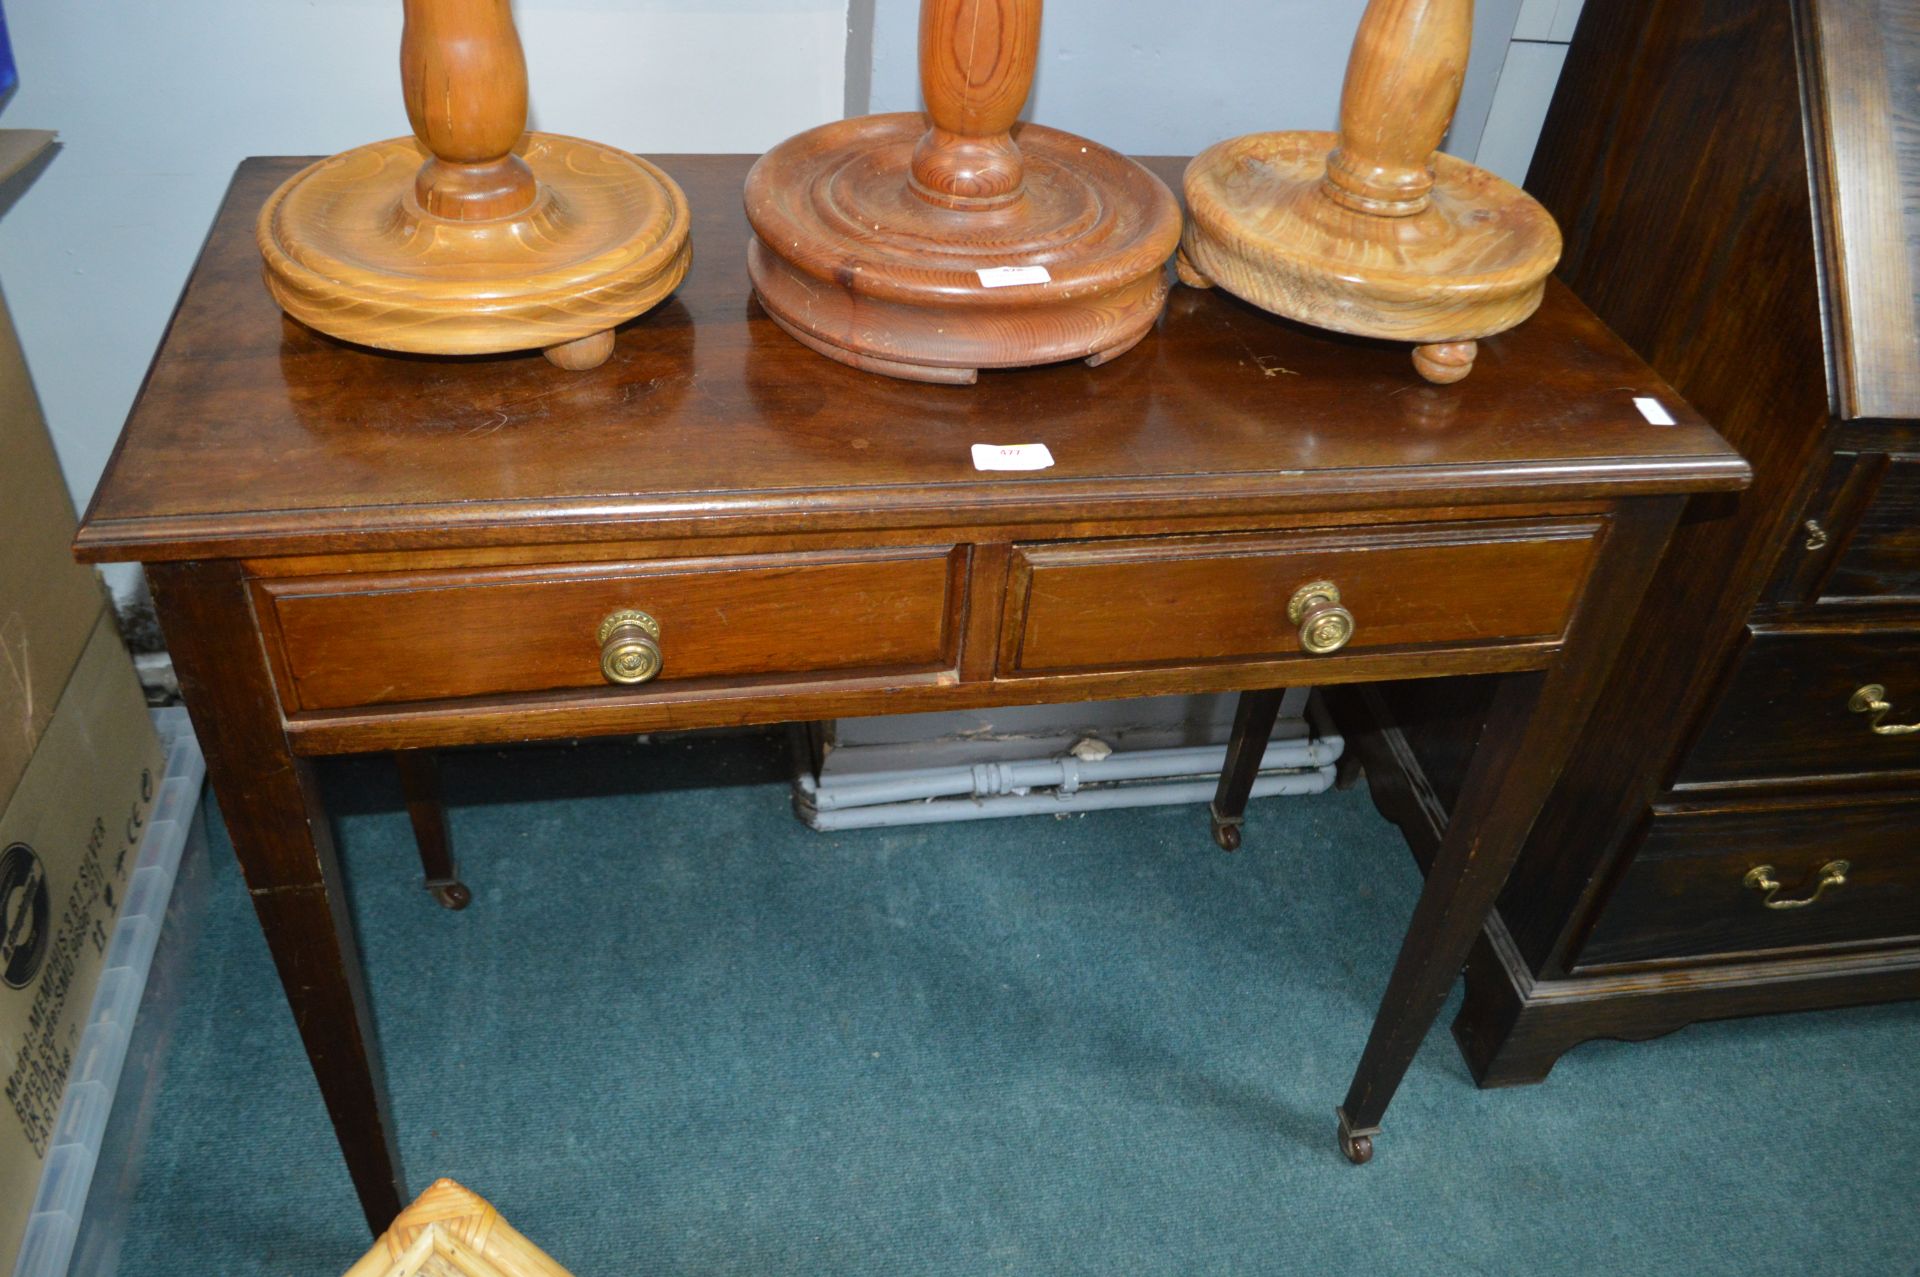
<point>968,158</point>
<point>464,77</point>
<point>1403,83</point>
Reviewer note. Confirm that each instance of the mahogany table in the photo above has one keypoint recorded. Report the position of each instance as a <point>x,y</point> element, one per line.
<point>357,552</point>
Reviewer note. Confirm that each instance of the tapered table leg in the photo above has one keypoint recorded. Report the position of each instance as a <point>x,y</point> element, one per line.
<point>420,782</point>
<point>1529,734</point>
<point>285,848</point>
<point>1253,721</point>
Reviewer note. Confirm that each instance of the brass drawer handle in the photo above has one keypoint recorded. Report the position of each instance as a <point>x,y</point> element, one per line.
<point>1760,878</point>
<point>1325,626</point>
<point>1872,699</point>
<point>630,647</point>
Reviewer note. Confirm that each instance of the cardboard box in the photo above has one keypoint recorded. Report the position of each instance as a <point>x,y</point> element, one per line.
<point>67,846</point>
<point>48,602</point>
<point>79,767</point>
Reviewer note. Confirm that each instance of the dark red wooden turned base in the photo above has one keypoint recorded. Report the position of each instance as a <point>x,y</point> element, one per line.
<point>852,262</point>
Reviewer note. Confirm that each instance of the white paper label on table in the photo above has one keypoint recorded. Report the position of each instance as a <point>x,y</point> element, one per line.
<point>1012,276</point>
<point>1011,456</point>
<point>1653,410</point>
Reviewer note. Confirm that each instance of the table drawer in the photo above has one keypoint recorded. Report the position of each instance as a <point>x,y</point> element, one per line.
<point>1692,892</point>
<point>1197,600</point>
<point>379,639</point>
<point>1787,709</point>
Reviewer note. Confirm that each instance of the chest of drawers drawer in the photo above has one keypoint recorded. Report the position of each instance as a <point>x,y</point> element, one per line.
<point>1107,605</point>
<point>1861,543</point>
<point>1721,883</point>
<point>1794,708</point>
<point>375,639</point>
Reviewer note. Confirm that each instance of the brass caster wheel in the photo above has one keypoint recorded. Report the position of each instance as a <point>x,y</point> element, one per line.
<point>451,895</point>
<point>1356,1143</point>
<point>1227,834</point>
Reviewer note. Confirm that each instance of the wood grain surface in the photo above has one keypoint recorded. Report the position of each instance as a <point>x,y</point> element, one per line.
<point>1372,231</point>
<point>977,61</point>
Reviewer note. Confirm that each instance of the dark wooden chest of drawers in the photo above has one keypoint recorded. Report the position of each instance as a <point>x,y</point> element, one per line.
<point>1739,829</point>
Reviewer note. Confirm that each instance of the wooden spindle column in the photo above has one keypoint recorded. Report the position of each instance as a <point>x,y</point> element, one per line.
<point>931,246</point>
<point>474,236</point>
<point>1373,231</point>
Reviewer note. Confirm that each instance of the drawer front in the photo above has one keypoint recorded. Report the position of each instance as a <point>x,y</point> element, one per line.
<point>370,640</point>
<point>1861,543</point>
<point>1787,709</point>
<point>1881,559</point>
<point>1692,891</point>
<point>1193,601</point>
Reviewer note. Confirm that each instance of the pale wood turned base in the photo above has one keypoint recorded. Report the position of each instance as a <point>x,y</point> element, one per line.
<point>350,251</point>
<point>1442,363</point>
<point>1472,263</point>
<point>855,265</point>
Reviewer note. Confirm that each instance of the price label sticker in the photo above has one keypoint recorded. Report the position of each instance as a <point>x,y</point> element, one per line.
<point>1011,456</point>
<point>1012,276</point>
<point>1653,410</point>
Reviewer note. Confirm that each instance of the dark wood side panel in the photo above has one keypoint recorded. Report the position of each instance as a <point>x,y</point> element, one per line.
<point>371,640</point>
<point>1688,895</point>
<point>1137,604</point>
<point>1868,105</point>
<point>1785,714</point>
<point>1675,159</point>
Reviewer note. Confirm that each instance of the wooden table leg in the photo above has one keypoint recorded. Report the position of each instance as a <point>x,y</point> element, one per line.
<point>285,847</point>
<point>1529,734</point>
<point>1253,720</point>
<point>420,781</point>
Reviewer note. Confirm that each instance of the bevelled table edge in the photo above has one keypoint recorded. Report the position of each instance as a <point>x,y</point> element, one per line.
<point>1232,498</point>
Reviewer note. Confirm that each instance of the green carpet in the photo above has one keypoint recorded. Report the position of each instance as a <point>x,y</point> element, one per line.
<point>678,1032</point>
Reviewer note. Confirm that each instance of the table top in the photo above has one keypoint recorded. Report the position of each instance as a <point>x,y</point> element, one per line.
<point>254,435</point>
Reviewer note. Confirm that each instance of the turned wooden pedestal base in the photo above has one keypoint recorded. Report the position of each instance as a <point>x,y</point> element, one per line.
<point>849,258</point>
<point>1372,231</point>
<point>1472,263</point>
<point>350,251</point>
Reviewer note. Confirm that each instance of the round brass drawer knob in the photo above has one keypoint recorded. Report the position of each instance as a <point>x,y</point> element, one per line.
<point>1325,626</point>
<point>630,647</point>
